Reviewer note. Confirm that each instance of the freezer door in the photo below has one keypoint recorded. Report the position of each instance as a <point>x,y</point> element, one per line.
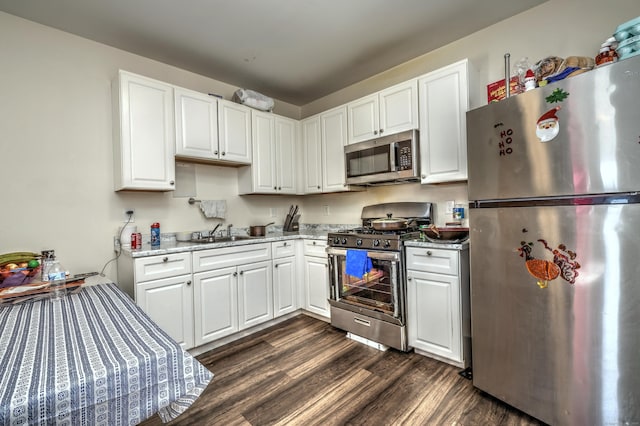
<point>578,136</point>
<point>555,297</point>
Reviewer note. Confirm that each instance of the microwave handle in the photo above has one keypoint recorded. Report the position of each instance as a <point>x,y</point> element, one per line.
<point>393,155</point>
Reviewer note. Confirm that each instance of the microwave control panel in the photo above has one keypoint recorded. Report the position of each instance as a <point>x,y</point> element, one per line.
<point>403,155</point>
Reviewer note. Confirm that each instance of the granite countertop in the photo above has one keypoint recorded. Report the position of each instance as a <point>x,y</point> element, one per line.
<point>169,245</point>
<point>464,245</point>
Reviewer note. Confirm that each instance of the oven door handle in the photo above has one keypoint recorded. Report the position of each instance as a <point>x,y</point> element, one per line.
<point>391,256</point>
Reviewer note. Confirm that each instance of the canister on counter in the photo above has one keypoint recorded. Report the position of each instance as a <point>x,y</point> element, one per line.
<point>155,234</point>
<point>458,212</point>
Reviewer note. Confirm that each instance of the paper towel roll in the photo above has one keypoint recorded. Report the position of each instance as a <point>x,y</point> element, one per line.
<point>125,234</point>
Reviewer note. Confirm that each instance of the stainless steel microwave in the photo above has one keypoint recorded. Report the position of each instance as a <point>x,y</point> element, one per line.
<point>387,159</point>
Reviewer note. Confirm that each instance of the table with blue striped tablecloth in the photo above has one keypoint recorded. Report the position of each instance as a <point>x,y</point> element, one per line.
<point>92,358</point>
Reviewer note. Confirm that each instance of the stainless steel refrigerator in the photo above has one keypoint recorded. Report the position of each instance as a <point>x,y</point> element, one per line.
<point>554,181</point>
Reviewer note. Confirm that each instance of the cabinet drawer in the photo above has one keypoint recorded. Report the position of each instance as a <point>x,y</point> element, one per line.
<point>207,260</point>
<point>165,266</point>
<point>282,249</point>
<point>315,248</point>
<point>433,260</point>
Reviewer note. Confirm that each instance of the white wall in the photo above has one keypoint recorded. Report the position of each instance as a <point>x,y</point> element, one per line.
<point>57,155</point>
<point>56,141</point>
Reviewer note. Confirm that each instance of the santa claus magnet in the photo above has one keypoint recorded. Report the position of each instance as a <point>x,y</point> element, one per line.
<point>548,125</point>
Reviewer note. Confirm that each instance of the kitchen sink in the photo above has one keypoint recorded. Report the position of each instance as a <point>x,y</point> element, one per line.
<point>221,239</point>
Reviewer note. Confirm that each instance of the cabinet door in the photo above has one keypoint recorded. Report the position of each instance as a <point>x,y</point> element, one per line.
<point>263,169</point>
<point>363,119</point>
<point>311,138</point>
<point>285,295</point>
<point>234,132</point>
<point>317,285</point>
<point>399,108</point>
<point>215,304</point>
<point>196,125</point>
<point>255,294</point>
<point>434,323</point>
<point>144,158</point>
<point>170,295</point>
<point>444,101</point>
<point>286,131</point>
<point>333,125</point>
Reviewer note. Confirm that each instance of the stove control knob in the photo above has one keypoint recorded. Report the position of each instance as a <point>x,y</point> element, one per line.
<point>387,243</point>
<point>376,243</point>
<point>359,242</point>
<point>344,241</point>
<point>336,240</point>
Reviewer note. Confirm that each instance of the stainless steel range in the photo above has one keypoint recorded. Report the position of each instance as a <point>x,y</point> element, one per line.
<point>370,303</point>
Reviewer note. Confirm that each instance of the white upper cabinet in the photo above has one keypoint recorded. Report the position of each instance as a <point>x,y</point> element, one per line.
<point>144,132</point>
<point>234,132</point>
<point>196,125</point>
<point>333,130</point>
<point>312,140</point>
<point>389,111</point>
<point>287,136</point>
<point>444,101</point>
<point>274,150</point>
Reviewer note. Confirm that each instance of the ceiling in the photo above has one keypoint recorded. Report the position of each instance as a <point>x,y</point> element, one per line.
<point>295,51</point>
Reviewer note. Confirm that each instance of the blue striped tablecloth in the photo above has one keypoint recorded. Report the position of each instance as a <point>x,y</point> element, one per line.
<point>93,358</point>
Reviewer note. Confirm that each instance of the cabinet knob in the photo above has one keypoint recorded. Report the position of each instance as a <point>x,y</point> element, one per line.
<point>375,132</point>
<point>165,259</point>
<point>314,243</point>
<point>215,152</point>
<point>224,153</point>
<point>241,272</point>
<point>279,188</point>
<point>172,183</point>
<point>275,188</point>
<point>318,186</point>
<point>285,244</point>
<point>423,176</point>
<point>189,282</point>
<point>408,278</point>
<point>381,130</point>
<point>275,266</point>
<point>235,274</point>
<point>429,253</point>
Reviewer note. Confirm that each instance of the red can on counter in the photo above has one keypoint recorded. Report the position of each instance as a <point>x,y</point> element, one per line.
<point>136,240</point>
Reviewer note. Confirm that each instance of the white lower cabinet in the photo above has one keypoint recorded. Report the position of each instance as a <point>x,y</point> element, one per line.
<point>316,278</point>
<point>164,291</point>
<point>255,294</point>
<point>201,296</point>
<point>215,304</point>
<point>285,278</point>
<point>233,290</point>
<point>438,303</point>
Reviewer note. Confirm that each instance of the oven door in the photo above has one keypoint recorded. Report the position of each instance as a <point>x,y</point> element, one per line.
<point>379,293</point>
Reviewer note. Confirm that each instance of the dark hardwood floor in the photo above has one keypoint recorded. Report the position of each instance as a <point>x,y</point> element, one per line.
<point>305,372</point>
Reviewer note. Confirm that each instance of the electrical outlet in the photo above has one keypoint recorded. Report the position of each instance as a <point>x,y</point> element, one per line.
<point>126,215</point>
<point>325,209</point>
<point>450,205</point>
<point>116,243</point>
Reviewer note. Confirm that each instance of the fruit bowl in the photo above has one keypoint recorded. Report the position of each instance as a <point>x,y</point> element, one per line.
<point>449,234</point>
<point>18,268</point>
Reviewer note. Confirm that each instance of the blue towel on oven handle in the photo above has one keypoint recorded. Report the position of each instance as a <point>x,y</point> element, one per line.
<point>358,263</point>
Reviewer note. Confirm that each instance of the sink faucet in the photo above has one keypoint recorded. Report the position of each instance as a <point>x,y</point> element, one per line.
<point>229,229</point>
<point>213,231</point>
